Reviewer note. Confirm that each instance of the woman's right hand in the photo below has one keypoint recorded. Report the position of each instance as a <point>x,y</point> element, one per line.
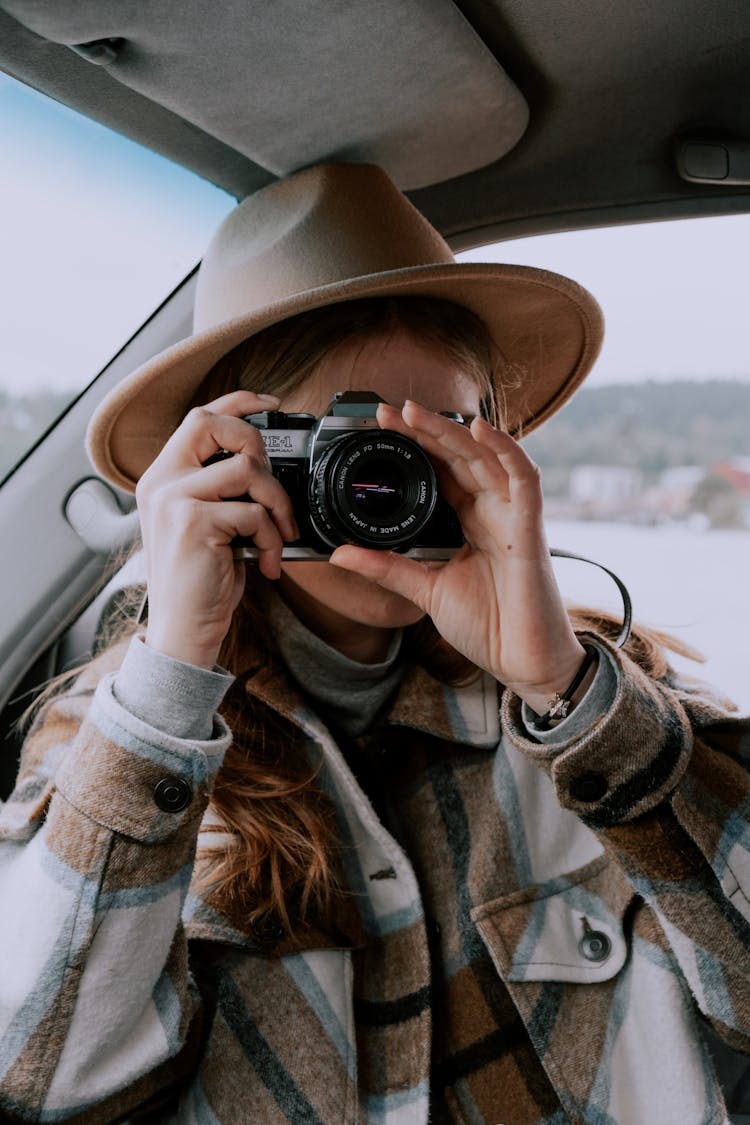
<point>188,524</point>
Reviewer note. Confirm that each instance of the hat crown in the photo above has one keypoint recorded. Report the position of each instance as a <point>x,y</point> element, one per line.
<point>333,233</point>
<point>324,226</point>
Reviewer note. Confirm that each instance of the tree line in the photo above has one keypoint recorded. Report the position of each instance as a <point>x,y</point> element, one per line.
<point>650,426</point>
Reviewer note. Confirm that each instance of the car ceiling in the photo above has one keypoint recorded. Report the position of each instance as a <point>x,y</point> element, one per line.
<point>499,117</point>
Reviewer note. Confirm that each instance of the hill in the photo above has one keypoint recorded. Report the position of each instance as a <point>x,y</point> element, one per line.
<point>651,425</point>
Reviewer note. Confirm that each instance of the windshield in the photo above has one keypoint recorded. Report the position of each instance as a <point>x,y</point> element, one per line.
<point>96,231</point>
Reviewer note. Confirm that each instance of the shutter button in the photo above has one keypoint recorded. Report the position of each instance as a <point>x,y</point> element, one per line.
<point>595,946</point>
<point>172,794</point>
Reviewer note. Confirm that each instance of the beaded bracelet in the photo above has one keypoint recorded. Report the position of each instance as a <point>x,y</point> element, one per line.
<point>559,704</point>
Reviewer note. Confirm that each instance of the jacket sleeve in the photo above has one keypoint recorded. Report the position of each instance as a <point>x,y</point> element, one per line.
<point>663,777</point>
<point>97,1007</point>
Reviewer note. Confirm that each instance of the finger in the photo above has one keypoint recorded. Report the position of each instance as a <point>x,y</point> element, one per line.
<point>522,473</point>
<point>407,577</point>
<point>243,474</point>
<point>204,433</point>
<point>479,457</point>
<point>448,443</point>
<point>477,461</point>
<point>238,403</point>
<point>246,520</point>
<point>454,477</point>
<point>456,482</point>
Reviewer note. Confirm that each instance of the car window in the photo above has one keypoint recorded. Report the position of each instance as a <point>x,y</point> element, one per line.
<point>96,231</point>
<point>647,469</point>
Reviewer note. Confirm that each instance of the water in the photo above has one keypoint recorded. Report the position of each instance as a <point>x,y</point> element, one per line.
<point>693,584</point>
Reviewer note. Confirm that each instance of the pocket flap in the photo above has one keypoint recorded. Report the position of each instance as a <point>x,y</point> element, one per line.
<point>568,929</point>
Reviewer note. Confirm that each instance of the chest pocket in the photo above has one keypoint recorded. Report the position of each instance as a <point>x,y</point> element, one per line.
<point>569,929</point>
<point>605,1005</point>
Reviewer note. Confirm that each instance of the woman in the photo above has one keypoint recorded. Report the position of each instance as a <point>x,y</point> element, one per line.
<point>405,902</point>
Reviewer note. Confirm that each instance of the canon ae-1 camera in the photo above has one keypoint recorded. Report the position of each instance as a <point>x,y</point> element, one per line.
<point>352,482</point>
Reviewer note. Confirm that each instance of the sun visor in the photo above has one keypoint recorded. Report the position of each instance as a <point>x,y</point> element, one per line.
<point>407,84</point>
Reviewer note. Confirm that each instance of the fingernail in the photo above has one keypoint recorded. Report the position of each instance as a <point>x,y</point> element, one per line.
<point>269,398</point>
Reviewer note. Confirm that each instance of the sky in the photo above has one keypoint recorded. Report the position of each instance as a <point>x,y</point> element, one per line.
<point>674,294</point>
<point>95,231</point>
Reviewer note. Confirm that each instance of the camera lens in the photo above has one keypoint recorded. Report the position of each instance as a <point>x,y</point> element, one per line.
<point>378,491</point>
<point>373,489</point>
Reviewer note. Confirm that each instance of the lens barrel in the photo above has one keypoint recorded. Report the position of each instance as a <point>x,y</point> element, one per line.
<point>373,489</point>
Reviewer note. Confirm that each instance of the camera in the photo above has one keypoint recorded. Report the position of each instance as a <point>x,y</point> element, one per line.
<point>351,482</point>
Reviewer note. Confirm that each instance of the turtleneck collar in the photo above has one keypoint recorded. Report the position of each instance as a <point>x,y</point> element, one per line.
<point>347,693</point>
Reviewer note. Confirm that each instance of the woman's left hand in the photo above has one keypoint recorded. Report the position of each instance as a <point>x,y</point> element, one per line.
<point>497,601</point>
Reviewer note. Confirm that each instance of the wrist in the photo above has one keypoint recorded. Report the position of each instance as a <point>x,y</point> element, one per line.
<point>180,648</point>
<point>541,696</point>
<point>562,702</point>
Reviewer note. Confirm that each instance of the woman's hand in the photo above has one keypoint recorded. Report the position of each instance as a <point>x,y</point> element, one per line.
<point>188,524</point>
<point>497,601</point>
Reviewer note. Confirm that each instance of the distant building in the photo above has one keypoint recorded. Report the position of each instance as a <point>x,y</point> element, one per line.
<point>736,471</point>
<point>681,478</point>
<point>604,487</point>
<point>673,494</point>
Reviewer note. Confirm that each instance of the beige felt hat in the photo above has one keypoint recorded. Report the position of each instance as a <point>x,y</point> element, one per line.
<point>334,233</point>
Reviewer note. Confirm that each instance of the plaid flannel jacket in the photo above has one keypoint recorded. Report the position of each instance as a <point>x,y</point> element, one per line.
<point>604,881</point>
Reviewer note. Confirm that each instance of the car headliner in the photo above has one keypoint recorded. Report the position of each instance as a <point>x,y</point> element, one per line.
<point>609,87</point>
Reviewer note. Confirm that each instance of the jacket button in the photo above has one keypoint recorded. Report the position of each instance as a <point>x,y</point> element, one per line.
<point>267,929</point>
<point>595,946</point>
<point>172,794</point>
<point>588,786</point>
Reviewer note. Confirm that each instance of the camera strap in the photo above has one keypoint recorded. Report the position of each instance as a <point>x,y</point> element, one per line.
<point>627,606</point>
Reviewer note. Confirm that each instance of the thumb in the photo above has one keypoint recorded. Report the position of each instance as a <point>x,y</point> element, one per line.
<point>411,579</point>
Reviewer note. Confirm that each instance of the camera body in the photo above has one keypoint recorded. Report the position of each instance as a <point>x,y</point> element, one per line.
<point>352,482</point>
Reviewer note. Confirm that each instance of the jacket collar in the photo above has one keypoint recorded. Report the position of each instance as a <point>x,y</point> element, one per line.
<point>467,715</point>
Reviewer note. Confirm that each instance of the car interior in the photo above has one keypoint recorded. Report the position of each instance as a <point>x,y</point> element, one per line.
<point>499,118</point>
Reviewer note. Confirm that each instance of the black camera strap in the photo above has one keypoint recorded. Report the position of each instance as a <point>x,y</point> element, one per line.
<point>627,607</point>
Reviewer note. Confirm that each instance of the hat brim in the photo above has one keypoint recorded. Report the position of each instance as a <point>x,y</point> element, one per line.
<point>548,328</point>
